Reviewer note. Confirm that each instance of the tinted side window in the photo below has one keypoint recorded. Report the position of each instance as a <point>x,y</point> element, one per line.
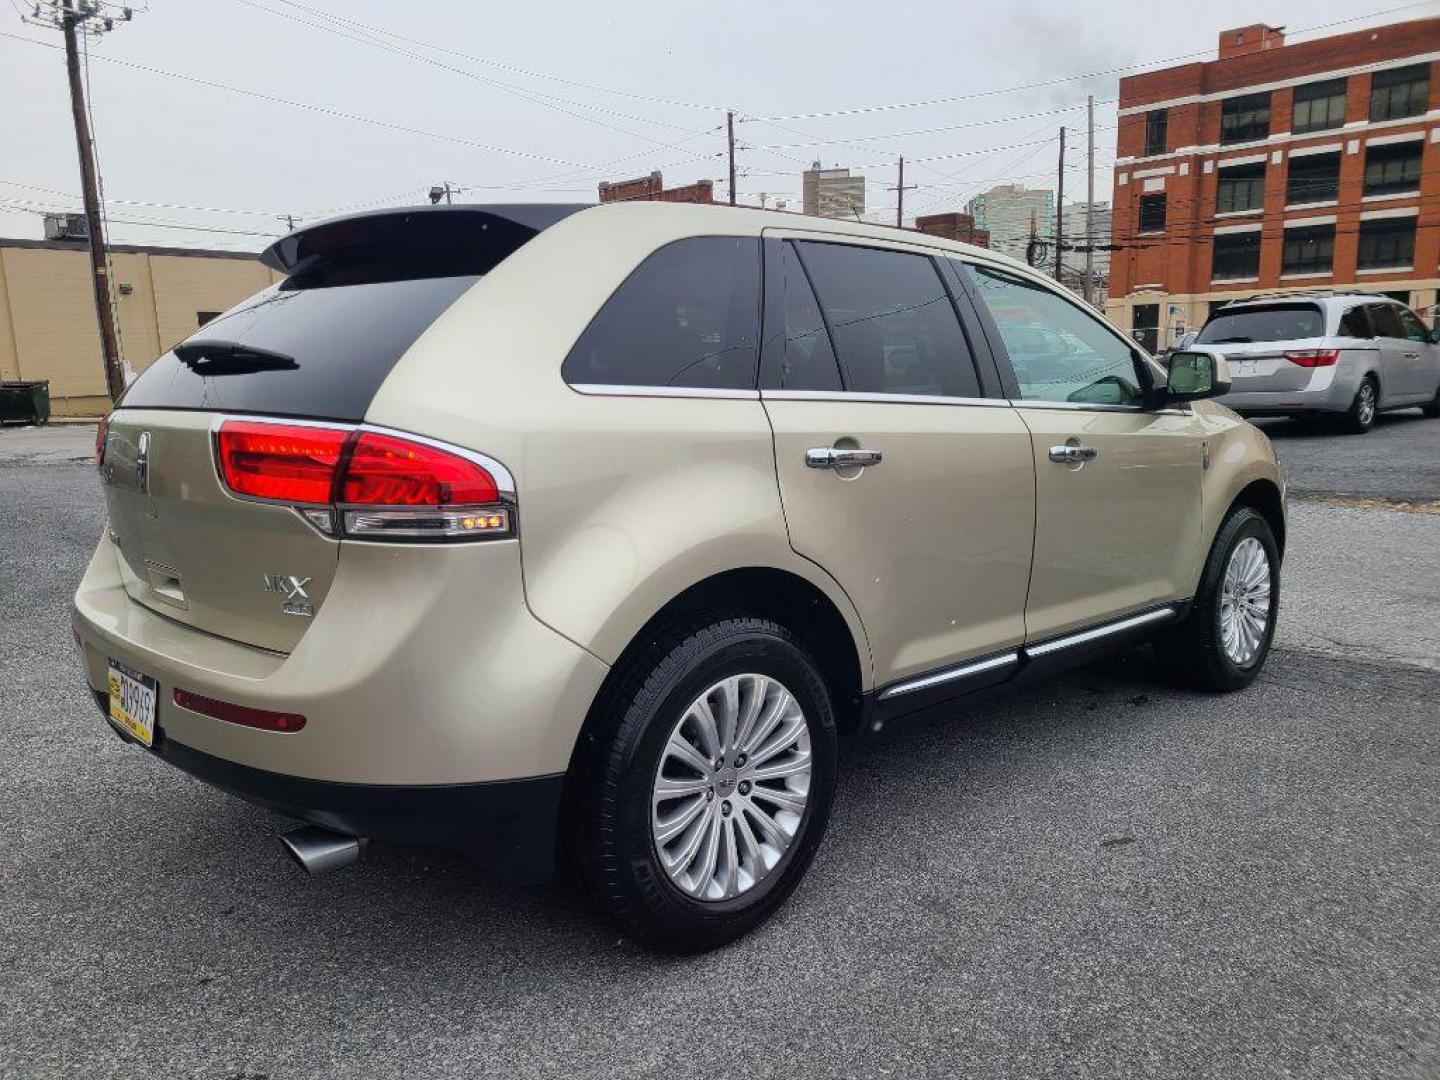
<point>894,324</point>
<point>807,356</point>
<point>1387,323</point>
<point>1411,326</point>
<point>689,316</point>
<point>1059,353</point>
<point>1353,324</point>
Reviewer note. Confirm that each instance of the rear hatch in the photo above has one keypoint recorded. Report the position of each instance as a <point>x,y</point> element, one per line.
<point>1255,338</point>
<point>316,348</point>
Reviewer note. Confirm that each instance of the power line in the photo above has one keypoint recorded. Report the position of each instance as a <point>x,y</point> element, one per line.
<point>974,95</point>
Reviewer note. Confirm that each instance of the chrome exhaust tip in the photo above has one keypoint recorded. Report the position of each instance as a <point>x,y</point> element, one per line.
<point>319,851</point>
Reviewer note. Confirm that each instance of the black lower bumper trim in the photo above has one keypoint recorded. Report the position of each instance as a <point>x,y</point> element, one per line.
<point>510,827</point>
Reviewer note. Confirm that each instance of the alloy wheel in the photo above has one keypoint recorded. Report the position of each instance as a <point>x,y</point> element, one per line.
<point>1245,601</point>
<point>1366,410</point>
<point>731,788</point>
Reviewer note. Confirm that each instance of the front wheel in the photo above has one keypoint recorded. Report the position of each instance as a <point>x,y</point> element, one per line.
<point>1223,642</point>
<point>709,784</point>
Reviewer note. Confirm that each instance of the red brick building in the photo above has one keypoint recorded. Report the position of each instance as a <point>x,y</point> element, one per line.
<point>652,189</point>
<point>953,227</point>
<point>1278,167</point>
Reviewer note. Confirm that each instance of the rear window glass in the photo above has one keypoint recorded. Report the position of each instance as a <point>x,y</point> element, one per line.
<point>1271,322</point>
<point>315,352</point>
<point>688,316</point>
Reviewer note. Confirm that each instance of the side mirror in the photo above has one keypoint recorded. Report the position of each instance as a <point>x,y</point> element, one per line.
<point>1197,373</point>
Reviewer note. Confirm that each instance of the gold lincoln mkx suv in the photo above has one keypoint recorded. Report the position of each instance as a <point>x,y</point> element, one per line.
<point>579,534</point>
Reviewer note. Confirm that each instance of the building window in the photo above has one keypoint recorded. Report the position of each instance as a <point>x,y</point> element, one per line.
<point>1240,187</point>
<point>1237,256</point>
<point>203,317</point>
<point>1319,106</point>
<point>1399,92</point>
<point>1308,250</point>
<point>1313,178</point>
<point>1245,118</point>
<point>1145,326</point>
<point>1389,242</point>
<point>1157,125</point>
<point>1393,169</point>
<point>1152,213</point>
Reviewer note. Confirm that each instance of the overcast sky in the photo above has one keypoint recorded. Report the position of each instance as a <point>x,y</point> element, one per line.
<point>540,101</point>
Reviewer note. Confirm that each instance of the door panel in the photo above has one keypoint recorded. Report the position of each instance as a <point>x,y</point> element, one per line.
<point>933,544</point>
<point>1120,531</point>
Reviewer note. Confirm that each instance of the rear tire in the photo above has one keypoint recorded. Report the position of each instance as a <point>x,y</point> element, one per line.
<point>1360,417</point>
<point>1433,409</point>
<point>633,867</point>
<point>1222,645</point>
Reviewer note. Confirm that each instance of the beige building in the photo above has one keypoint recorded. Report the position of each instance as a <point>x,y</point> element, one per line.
<point>48,328</point>
<point>833,193</point>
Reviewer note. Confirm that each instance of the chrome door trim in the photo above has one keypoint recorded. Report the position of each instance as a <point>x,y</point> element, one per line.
<point>1095,634</point>
<point>1083,406</point>
<point>618,390</point>
<point>949,675</point>
<point>881,399</point>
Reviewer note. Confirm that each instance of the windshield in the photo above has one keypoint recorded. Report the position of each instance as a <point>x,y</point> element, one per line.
<point>1263,322</point>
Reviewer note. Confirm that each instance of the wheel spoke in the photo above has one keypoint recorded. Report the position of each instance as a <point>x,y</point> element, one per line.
<point>707,852</point>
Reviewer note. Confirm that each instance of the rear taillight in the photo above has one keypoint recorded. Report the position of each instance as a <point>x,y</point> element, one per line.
<point>280,462</point>
<point>1313,357</point>
<point>102,431</point>
<point>372,485</point>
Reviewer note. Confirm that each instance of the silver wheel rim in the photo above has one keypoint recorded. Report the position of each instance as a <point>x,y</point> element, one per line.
<point>1245,601</point>
<point>1367,402</point>
<point>731,787</point>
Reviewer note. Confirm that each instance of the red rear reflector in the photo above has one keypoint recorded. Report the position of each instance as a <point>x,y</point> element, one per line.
<point>386,471</point>
<point>1313,357</point>
<point>285,462</point>
<point>264,719</point>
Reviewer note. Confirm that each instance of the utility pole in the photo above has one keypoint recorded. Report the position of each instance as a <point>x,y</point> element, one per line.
<point>442,191</point>
<point>1089,286</point>
<point>289,220</point>
<point>730,138</point>
<point>1060,209</point>
<point>900,188</point>
<point>72,18</point>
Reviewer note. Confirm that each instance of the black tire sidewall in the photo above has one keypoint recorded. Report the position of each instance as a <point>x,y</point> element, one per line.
<point>1242,525</point>
<point>666,915</point>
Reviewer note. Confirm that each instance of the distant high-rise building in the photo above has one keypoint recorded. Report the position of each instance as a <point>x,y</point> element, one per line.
<point>1006,212</point>
<point>1100,233</point>
<point>833,193</point>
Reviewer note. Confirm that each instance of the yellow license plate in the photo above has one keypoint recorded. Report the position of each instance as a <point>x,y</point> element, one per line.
<point>132,702</point>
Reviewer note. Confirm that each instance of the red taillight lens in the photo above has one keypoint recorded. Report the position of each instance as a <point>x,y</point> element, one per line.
<point>264,719</point>
<point>285,462</point>
<point>386,471</point>
<point>1313,357</point>
<point>101,432</point>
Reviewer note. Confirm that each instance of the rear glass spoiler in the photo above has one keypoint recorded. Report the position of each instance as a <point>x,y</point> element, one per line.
<point>409,243</point>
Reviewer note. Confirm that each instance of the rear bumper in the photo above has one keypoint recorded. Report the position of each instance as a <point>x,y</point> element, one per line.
<point>1330,389</point>
<point>509,827</point>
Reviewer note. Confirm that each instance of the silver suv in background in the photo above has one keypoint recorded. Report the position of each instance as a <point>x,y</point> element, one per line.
<point>1349,355</point>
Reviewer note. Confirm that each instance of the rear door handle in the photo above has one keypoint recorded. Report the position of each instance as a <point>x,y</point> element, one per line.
<point>1071,455</point>
<point>827,457</point>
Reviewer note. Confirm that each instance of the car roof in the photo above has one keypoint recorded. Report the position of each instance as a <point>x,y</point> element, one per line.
<point>1325,298</point>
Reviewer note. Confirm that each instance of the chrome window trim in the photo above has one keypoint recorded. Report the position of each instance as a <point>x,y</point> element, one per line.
<point>950,675</point>
<point>896,399</point>
<point>1095,634</point>
<point>1082,406</point>
<point>619,390</point>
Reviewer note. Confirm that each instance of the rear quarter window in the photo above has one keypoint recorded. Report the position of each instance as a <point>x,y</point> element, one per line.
<point>1270,322</point>
<point>688,316</point>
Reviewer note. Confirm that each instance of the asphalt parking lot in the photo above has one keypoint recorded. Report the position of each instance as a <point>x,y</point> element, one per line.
<point>1103,877</point>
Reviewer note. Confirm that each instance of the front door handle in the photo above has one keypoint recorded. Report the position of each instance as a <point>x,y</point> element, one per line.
<point>827,457</point>
<point>1072,455</point>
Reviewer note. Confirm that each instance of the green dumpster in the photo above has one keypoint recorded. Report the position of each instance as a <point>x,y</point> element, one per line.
<point>25,402</point>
